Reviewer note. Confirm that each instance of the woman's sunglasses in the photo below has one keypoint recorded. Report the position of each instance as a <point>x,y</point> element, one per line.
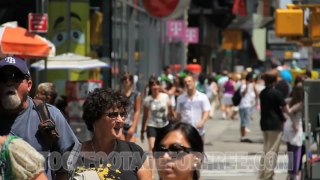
<point>114,115</point>
<point>125,78</point>
<point>173,150</point>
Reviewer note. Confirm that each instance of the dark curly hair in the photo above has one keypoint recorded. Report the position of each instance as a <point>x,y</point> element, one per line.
<point>99,101</point>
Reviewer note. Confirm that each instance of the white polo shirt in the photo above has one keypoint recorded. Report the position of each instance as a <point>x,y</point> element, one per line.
<point>191,109</point>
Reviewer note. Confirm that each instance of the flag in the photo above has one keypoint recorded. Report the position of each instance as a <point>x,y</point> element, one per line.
<point>239,8</point>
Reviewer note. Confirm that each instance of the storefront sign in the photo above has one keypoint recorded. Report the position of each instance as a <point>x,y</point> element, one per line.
<point>274,39</point>
<point>176,29</point>
<point>192,35</point>
<point>38,23</point>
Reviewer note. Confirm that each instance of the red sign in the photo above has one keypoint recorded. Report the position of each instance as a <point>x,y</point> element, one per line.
<point>166,8</point>
<point>38,23</point>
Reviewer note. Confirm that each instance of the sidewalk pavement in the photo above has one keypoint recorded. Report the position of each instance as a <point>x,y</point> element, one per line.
<point>223,136</point>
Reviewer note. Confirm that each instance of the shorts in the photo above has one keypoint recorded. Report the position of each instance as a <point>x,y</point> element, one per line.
<point>154,132</point>
<point>126,128</point>
<point>244,116</point>
<point>227,99</point>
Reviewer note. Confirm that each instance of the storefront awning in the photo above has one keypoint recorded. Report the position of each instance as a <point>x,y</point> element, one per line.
<point>69,61</point>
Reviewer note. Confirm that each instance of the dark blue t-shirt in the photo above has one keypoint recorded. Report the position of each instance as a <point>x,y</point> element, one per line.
<point>25,125</point>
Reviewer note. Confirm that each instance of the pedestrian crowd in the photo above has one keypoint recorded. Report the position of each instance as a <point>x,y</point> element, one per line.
<point>175,109</point>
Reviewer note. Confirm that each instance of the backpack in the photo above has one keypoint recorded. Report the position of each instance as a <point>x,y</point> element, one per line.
<point>236,98</point>
<point>200,87</point>
<point>209,92</point>
<point>47,128</point>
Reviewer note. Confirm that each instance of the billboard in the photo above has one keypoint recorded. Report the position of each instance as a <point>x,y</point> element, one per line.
<point>79,42</point>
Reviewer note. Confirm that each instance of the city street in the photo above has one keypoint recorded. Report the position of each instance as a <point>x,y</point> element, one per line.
<point>102,62</point>
<point>227,158</point>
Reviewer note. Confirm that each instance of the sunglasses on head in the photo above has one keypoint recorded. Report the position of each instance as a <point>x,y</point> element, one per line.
<point>172,150</point>
<point>113,115</point>
<point>16,77</point>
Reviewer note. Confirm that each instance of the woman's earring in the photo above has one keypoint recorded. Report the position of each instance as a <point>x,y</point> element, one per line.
<point>196,163</point>
<point>94,129</point>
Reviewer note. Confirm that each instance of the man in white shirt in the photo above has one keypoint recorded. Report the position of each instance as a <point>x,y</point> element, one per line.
<point>193,106</point>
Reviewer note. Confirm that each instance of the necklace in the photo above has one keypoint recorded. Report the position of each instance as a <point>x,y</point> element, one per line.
<point>128,92</point>
<point>94,150</point>
<point>92,145</point>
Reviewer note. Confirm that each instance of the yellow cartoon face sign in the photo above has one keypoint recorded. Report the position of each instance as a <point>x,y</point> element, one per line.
<point>79,26</point>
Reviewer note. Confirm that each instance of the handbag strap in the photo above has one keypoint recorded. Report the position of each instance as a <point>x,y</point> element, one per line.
<point>42,110</point>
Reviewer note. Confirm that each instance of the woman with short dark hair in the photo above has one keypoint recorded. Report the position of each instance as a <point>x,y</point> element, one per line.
<point>104,112</point>
<point>179,152</point>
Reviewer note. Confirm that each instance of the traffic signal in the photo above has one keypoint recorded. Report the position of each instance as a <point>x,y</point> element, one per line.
<point>314,25</point>
<point>289,22</point>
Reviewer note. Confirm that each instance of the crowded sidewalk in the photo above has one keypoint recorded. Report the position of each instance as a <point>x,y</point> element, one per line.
<point>227,158</point>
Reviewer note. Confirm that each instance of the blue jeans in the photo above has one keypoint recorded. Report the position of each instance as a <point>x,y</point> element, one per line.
<point>244,116</point>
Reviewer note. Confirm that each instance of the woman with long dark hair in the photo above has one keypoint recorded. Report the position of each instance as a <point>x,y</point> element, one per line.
<point>134,97</point>
<point>179,152</point>
<point>156,107</point>
<point>293,133</point>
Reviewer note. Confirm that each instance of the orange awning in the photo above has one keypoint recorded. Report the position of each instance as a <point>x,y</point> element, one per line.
<point>18,41</point>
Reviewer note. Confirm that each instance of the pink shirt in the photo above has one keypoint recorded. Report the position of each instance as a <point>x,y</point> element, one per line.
<point>229,87</point>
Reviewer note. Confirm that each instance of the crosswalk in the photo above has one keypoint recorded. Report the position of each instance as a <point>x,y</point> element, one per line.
<point>237,164</point>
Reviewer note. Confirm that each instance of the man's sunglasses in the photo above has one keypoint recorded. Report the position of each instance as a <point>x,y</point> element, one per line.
<point>114,115</point>
<point>173,150</point>
<point>15,77</point>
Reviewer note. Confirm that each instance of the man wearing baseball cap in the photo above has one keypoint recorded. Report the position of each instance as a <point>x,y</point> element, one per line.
<point>19,117</point>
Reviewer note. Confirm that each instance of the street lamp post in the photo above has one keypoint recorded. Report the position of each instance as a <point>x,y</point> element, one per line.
<point>68,20</point>
<point>41,8</point>
<point>107,36</point>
